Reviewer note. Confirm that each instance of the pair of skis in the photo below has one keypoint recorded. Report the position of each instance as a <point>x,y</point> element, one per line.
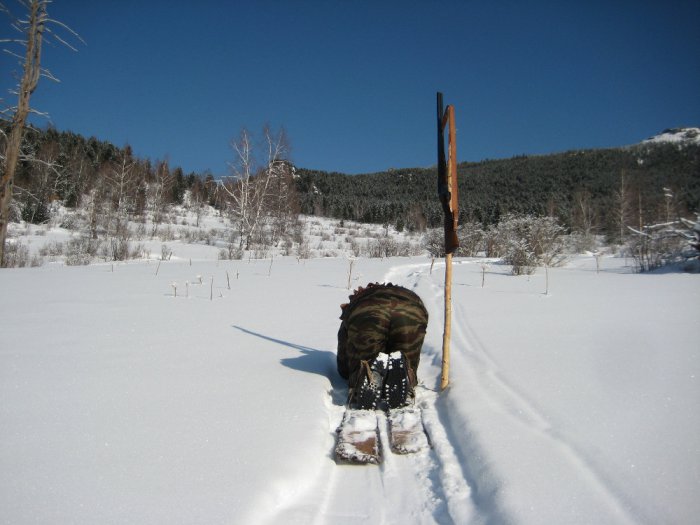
<point>358,434</point>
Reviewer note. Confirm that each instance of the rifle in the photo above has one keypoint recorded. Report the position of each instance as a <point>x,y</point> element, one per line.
<point>447,174</point>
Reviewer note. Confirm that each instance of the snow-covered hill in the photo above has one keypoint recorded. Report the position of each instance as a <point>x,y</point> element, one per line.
<point>205,392</point>
<point>676,135</point>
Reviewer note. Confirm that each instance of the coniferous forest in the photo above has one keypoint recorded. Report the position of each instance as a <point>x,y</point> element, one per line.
<point>590,191</point>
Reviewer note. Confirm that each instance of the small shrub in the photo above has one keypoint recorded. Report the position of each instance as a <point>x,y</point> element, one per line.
<point>261,252</point>
<point>140,232</point>
<point>81,250</point>
<point>471,239</point>
<point>165,253</point>
<point>304,250</point>
<point>117,249</point>
<point>659,245</point>
<point>70,221</point>
<point>526,242</point>
<point>167,233</point>
<point>288,246</point>
<point>51,249</point>
<point>140,252</point>
<point>231,252</point>
<point>16,255</point>
<point>434,242</point>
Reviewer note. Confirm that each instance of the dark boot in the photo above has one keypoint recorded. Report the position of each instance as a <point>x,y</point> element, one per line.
<point>368,388</point>
<point>398,381</point>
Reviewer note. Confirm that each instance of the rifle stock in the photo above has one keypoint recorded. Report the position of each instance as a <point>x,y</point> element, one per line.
<point>447,176</point>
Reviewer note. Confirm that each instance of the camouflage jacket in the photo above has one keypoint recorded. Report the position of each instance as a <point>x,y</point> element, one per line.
<point>380,318</point>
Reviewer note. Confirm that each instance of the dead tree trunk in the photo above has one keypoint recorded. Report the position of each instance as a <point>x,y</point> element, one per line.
<point>30,79</point>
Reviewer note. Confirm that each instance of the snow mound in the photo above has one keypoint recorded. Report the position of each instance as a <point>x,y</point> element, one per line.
<point>676,135</point>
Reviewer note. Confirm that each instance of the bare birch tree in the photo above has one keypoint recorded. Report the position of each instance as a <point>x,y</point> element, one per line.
<point>121,184</point>
<point>250,189</point>
<point>238,187</point>
<point>623,206</point>
<point>34,27</point>
<point>282,204</point>
<point>157,191</point>
<point>584,217</point>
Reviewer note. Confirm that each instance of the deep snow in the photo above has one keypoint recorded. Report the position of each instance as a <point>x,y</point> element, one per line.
<point>121,403</point>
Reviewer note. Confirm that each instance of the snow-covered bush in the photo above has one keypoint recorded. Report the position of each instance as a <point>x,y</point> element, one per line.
<point>167,233</point>
<point>492,242</point>
<point>434,242</point>
<point>81,250</point>
<point>526,242</point>
<point>667,243</point>
<point>288,246</point>
<point>165,252</point>
<point>471,239</point>
<point>383,247</point>
<point>520,256</point>
<point>304,250</point>
<point>578,242</point>
<point>231,252</point>
<point>140,252</point>
<point>546,236</point>
<point>261,252</point>
<point>51,249</point>
<point>16,254</point>
<point>116,249</point>
<point>71,221</point>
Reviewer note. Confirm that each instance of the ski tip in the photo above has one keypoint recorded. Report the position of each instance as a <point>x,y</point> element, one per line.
<point>348,456</point>
<point>356,461</point>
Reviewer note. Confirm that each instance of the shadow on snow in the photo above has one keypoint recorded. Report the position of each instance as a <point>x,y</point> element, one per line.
<point>311,360</point>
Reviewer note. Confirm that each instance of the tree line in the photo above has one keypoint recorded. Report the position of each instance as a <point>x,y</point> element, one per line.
<point>590,191</point>
<point>613,192</point>
<point>593,192</point>
<point>110,187</point>
<point>66,167</point>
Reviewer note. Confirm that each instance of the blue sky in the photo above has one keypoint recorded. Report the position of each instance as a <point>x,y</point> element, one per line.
<point>354,82</point>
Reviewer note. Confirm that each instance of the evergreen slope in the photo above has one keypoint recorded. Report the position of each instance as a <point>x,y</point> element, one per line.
<point>594,191</point>
<point>577,187</point>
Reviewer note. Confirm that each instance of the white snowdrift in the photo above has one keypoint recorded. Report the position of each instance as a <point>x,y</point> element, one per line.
<point>121,403</point>
<point>677,136</point>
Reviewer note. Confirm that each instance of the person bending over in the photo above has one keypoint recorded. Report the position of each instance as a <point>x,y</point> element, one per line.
<point>379,343</point>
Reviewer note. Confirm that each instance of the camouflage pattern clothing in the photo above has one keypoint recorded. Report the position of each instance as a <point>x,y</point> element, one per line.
<point>380,318</point>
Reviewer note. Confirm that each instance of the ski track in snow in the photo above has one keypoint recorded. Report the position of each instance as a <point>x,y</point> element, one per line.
<point>402,489</point>
<point>453,482</point>
<point>151,419</point>
<point>483,371</point>
<point>516,403</point>
<point>449,481</point>
<point>422,488</point>
<point>480,484</point>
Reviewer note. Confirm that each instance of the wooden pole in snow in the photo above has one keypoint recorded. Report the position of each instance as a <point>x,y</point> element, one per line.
<point>447,332</point>
<point>447,191</point>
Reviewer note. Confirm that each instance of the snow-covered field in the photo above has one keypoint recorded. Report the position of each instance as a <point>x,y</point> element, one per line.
<point>123,403</point>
